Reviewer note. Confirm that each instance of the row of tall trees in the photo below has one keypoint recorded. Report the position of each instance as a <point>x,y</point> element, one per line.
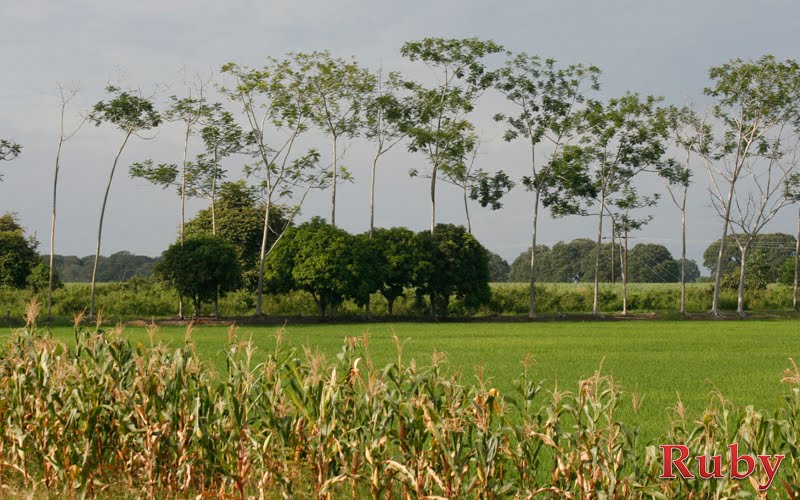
<point>587,154</point>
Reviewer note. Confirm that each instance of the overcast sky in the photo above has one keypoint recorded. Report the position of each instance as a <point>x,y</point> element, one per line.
<point>661,48</point>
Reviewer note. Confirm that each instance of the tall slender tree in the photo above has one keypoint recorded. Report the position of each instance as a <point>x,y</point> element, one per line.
<point>131,114</point>
<point>622,138</point>
<point>623,222</point>
<point>274,96</point>
<point>199,178</point>
<point>757,103</point>
<point>222,137</point>
<point>435,121</point>
<point>334,92</point>
<point>476,183</point>
<point>691,134</point>
<point>383,110</point>
<point>793,194</point>
<point>65,95</point>
<point>769,178</point>
<point>548,101</point>
<point>189,111</point>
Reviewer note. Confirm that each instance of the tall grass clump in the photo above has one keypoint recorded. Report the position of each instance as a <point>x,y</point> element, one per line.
<point>108,418</point>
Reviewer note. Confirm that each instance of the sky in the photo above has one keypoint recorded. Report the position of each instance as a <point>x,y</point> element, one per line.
<point>659,48</point>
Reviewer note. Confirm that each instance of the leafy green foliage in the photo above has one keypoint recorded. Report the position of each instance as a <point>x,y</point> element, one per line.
<point>39,279</point>
<point>117,267</point>
<point>754,95</point>
<point>317,258</point>
<point>402,256</point>
<point>549,106</point>
<point>18,255</point>
<point>9,150</point>
<point>757,275</point>
<point>240,222</point>
<point>369,268</point>
<point>498,268</point>
<point>456,265</point>
<point>787,271</point>
<point>653,263</point>
<point>200,268</point>
<point>125,110</point>
<point>488,189</point>
<point>434,117</point>
<point>566,262</point>
<point>775,248</point>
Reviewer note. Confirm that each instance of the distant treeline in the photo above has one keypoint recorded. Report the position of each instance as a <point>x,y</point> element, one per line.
<point>120,266</point>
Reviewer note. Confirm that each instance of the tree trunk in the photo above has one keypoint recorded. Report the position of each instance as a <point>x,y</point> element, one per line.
<point>100,225</point>
<point>742,267</point>
<point>466,211</point>
<point>683,256</point>
<point>718,273</point>
<point>333,191</point>
<point>796,264</point>
<point>391,308</point>
<point>532,308</point>
<point>214,194</point>
<point>262,258</point>
<point>53,222</point>
<point>624,271</point>
<point>183,198</point>
<point>433,198</point>
<point>183,180</point>
<point>596,298</point>
<point>320,308</point>
<point>613,264</point>
<point>433,306</point>
<point>372,197</point>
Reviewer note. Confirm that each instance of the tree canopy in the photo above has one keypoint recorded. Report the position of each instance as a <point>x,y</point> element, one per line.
<point>240,222</point>
<point>200,268</point>
<point>18,256</point>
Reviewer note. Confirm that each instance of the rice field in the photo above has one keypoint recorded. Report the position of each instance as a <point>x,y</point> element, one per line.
<point>408,410</point>
<point>661,361</point>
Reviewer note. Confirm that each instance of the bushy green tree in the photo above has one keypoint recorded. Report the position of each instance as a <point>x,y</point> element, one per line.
<point>775,249</point>
<point>566,262</point>
<point>756,277</point>
<point>498,268</point>
<point>39,278</point>
<point>652,263</point>
<point>317,258</point>
<point>369,269</point>
<point>455,265</point>
<point>692,270</point>
<point>18,256</point>
<point>200,269</point>
<point>239,219</point>
<point>402,254</point>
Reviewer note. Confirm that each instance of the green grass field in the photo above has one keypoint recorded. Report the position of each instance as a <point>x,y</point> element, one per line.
<point>660,359</point>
